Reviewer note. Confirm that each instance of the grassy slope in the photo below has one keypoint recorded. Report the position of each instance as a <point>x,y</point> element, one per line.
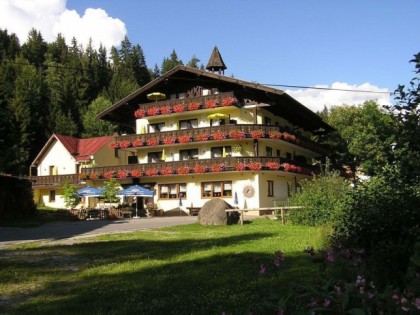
<point>181,270</point>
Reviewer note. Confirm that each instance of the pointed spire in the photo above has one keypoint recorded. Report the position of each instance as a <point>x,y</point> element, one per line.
<point>216,62</point>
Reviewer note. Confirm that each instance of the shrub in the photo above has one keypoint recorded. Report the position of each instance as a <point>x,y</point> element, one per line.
<point>321,197</point>
<point>381,215</point>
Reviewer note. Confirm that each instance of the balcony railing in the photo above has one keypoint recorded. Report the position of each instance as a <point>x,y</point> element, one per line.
<point>54,180</point>
<point>231,131</point>
<point>201,100</point>
<point>193,166</point>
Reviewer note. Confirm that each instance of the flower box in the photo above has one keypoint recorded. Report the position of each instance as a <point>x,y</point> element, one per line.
<point>152,142</point>
<point>122,174</point>
<point>218,135</point>
<point>240,166</point>
<point>229,101</point>
<point>139,113</point>
<point>184,139</point>
<point>272,165</point>
<point>216,168</point>
<point>83,176</point>
<point>210,104</point>
<point>201,137</point>
<point>167,170</point>
<point>254,166</point>
<point>94,175</point>
<point>151,172</point>
<point>274,134</point>
<point>193,106</point>
<point>183,170</point>
<point>108,174</point>
<point>200,169</point>
<point>257,134</point>
<point>114,145</point>
<point>165,110</point>
<point>289,137</point>
<point>153,111</point>
<point>236,134</point>
<point>179,108</point>
<point>169,140</point>
<point>136,173</point>
<point>138,142</point>
<point>124,144</point>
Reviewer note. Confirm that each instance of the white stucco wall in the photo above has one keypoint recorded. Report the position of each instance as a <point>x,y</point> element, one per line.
<point>58,157</point>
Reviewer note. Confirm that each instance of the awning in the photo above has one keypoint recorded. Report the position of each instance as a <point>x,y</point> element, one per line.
<point>217,116</point>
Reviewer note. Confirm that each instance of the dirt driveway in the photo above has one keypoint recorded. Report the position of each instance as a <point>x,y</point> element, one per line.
<point>65,229</point>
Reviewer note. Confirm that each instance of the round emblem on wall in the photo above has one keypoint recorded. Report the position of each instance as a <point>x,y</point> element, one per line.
<point>248,191</point>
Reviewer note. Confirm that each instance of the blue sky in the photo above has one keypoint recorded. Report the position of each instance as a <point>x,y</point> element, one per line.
<point>364,45</point>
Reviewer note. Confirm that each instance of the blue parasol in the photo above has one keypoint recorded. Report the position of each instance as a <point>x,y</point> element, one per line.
<point>136,191</point>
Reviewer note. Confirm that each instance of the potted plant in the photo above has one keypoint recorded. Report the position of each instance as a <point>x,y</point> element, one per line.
<point>254,166</point>
<point>193,106</point>
<point>218,135</point>
<point>151,172</point>
<point>210,104</point>
<point>109,174</point>
<point>169,140</point>
<point>199,169</point>
<point>122,174</point>
<point>229,101</point>
<point>182,170</point>
<point>94,175</point>
<point>152,142</point>
<point>124,144</point>
<point>136,173</point>
<point>139,113</point>
<point>236,134</point>
<point>138,142</point>
<point>153,111</point>
<point>216,168</point>
<point>202,137</point>
<point>179,108</point>
<point>257,134</point>
<point>167,170</point>
<point>240,166</point>
<point>274,134</point>
<point>165,110</point>
<point>272,165</point>
<point>184,139</point>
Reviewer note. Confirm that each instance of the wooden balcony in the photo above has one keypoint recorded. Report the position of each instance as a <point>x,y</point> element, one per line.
<point>185,101</point>
<point>196,135</point>
<point>54,181</point>
<point>193,166</point>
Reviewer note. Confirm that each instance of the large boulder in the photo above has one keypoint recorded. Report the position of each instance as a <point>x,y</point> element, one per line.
<point>213,213</point>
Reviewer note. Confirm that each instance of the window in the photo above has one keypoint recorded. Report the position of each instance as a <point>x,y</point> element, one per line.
<point>188,124</point>
<point>132,159</point>
<point>173,191</point>
<point>116,152</point>
<point>216,189</point>
<point>217,152</point>
<point>270,188</point>
<point>156,127</point>
<point>217,122</point>
<point>289,155</point>
<point>154,157</point>
<point>267,121</point>
<point>277,152</point>
<point>51,170</point>
<point>52,196</point>
<point>268,151</point>
<point>188,154</point>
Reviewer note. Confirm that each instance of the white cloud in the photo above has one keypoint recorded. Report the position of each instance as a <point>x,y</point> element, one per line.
<point>316,99</point>
<point>51,17</point>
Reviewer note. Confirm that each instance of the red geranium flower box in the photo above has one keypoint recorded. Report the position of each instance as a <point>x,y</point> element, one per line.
<point>139,113</point>
<point>124,144</point>
<point>272,165</point>
<point>164,110</point>
<point>109,174</point>
<point>200,169</point>
<point>210,104</point>
<point>193,106</point>
<point>202,137</point>
<point>216,168</point>
<point>218,135</point>
<point>152,142</point>
<point>153,111</point>
<point>236,134</point>
<point>183,170</point>
<point>179,108</point>
<point>240,166</point>
<point>184,139</point>
<point>169,140</point>
<point>167,170</point>
<point>151,172</point>
<point>136,173</point>
<point>94,175</point>
<point>138,142</point>
<point>274,134</point>
<point>255,166</point>
<point>229,101</point>
<point>257,134</point>
<point>122,174</point>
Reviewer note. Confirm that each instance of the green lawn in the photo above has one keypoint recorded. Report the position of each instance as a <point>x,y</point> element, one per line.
<point>188,269</point>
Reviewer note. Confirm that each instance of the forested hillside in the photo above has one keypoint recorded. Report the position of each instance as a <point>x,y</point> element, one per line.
<point>48,88</point>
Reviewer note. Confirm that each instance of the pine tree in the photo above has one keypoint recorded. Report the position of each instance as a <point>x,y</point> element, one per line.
<point>170,63</point>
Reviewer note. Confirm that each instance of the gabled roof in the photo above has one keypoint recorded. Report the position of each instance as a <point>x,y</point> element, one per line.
<point>80,149</point>
<point>182,79</point>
